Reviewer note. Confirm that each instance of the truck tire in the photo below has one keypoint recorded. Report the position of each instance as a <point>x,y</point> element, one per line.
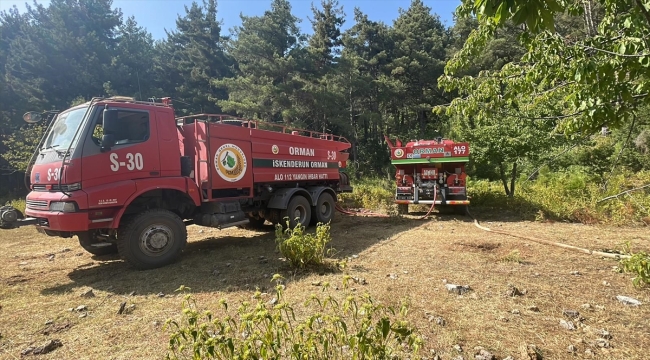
<point>152,239</point>
<point>298,207</point>
<point>324,210</point>
<point>403,209</point>
<point>90,242</point>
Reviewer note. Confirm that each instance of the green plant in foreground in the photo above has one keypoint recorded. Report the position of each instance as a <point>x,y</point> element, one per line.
<point>639,264</point>
<point>300,248</point>
<point>355,327</point>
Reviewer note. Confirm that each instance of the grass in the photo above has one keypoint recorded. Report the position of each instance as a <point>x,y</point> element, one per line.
<point>569,196</point>
<point>372,193</point>
<point>396,261</point>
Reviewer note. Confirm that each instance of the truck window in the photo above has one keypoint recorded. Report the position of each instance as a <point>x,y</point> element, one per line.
<point>133,128</point>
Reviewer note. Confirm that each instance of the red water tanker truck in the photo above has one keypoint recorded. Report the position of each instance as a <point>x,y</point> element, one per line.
<point>127,177</point>
<point>430,172</point>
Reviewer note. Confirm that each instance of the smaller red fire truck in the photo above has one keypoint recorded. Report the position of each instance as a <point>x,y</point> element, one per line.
<point>127,176</point>
<point>430,172</point>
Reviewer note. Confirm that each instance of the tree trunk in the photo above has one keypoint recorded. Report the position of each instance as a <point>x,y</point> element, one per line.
<point>502,172</point>
<point>513,179</point>
<point>355,129</point>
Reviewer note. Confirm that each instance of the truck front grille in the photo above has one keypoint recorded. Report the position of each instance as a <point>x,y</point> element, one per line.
<point>36,204</point>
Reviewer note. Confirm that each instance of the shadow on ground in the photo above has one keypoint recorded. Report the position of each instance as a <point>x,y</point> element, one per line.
<point>230,263</point>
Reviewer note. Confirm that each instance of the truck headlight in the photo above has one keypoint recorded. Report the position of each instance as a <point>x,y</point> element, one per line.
<point>68,206</point>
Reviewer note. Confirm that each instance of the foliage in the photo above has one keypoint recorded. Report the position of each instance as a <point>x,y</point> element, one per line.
<point>300,248</point>
<point>569,194</point>
<point>371,193</point>
<point>514,256</point>
<point>269,53</point>
<point>192,55</point>
<point>518,80</point>
<point>639,264</point>
<point>354,326</point>
<point>572,195</point>
<point>582,82</point>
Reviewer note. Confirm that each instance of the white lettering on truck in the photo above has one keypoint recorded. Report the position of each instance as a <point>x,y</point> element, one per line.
<point>53,174</point>
<point>301,151</point>
<point>132,162</point>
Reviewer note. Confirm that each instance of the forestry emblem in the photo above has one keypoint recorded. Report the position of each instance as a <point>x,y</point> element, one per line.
<point>230,162</point>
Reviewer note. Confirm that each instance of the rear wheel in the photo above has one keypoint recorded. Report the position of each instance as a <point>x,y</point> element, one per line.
<point>152,239</point>
<point>95,244</point>
<point>324,210</point>
<point>298,211</point>
<point>403,209</point>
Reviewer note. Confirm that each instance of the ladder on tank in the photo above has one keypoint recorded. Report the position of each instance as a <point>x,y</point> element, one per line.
<point>206,191</point>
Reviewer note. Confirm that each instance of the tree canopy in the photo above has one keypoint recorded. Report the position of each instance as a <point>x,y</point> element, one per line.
<point>522,81</point>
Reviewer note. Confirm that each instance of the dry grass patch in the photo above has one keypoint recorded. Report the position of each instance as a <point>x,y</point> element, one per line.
<point>392,259</point>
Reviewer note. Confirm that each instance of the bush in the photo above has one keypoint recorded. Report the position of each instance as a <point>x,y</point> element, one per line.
<point>354,327</point>
<point>371,193</point>
<point>573,194</point>
<point>638,264</point>
<point>303,249</point>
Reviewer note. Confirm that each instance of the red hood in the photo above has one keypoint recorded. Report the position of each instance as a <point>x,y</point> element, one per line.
<point>49,174</point>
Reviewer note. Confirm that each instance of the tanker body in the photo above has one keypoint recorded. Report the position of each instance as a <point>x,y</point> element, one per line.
<point>430,172</point>
<point>127,176</point>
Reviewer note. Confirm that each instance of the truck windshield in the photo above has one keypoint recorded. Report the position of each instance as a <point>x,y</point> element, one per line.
<point>64,129</point>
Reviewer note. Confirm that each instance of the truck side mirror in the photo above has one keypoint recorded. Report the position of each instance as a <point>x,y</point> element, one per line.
<point>108,141</point>
<point>32,117</point>
<point>109,121</point>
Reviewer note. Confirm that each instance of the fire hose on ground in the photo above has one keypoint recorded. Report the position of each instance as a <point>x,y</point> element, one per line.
<point>478,225</point>
<point>546,242</point>
<point>374,214</point>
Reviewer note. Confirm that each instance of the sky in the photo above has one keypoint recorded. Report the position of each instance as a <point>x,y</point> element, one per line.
<point>158,15</point>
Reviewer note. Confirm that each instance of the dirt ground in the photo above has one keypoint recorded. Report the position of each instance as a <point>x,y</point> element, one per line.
<point>42,279</point>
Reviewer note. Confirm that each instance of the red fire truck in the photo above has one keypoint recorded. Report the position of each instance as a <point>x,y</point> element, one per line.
<point>128,176</point>
<point>430,172</point>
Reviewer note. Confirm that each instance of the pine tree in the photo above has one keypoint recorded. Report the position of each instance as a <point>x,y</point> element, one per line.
<point>191,56</point>
<point>419,59</point>
<point>321,106</point>
<point>131,67</point>
<point>270,54</point>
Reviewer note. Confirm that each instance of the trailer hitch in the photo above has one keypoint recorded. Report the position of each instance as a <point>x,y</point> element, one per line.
<point>11,218</point>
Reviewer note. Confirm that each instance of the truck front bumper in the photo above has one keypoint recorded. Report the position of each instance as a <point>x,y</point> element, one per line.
<point>46,211</point>
<point>59,221</point>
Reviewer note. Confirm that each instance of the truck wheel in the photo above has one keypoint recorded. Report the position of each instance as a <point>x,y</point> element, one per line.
<point>298,208</point>
<point>324,210</point>
<point>403,209</point>
<point>152,239</point>
<point>92,243</point>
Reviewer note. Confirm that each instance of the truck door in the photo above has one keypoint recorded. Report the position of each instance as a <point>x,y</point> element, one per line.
<point>108,176</point>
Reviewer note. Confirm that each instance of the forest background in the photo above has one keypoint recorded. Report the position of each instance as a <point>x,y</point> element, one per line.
<point>551,95</point>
